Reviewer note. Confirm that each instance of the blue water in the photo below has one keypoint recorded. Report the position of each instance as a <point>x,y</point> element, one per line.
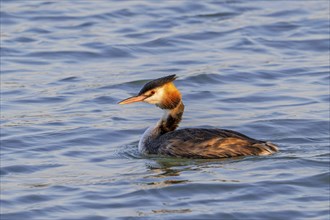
<point>69,152</point>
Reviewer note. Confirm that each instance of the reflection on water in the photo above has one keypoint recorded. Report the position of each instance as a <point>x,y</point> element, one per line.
<point>68,151</point>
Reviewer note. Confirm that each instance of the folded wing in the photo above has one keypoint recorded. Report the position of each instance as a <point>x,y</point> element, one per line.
<point>211,143</point>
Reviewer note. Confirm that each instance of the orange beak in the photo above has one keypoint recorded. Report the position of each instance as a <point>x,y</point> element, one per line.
<point>133,99</point>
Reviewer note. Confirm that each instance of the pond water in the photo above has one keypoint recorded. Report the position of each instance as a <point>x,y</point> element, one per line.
<point>69,152</point>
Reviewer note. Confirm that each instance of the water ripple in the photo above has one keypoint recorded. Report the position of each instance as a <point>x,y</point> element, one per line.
<point>68,151</point>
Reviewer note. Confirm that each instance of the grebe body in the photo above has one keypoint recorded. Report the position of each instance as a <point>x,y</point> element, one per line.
<point>164,139</point>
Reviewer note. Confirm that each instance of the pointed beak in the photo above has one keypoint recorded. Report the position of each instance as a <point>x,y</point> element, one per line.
<point>133,99</point>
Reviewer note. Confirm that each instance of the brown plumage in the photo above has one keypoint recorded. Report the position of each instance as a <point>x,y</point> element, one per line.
<point>163,139</point>
<point>211,143</point>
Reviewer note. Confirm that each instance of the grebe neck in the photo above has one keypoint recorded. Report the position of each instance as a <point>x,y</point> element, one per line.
<point>171,119</point>
<point>168,122</point>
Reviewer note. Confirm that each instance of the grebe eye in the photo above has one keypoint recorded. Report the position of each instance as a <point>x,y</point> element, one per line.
<point>152,92</point>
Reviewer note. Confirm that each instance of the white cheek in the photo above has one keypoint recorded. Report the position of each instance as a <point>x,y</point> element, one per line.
<point>155,98</point>
<point>150,100</point>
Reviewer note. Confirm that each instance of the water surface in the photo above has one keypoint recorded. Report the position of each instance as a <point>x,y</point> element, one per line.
<point>69,152</point>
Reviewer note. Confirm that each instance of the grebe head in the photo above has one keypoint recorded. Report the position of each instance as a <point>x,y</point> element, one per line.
<point>161,92</point>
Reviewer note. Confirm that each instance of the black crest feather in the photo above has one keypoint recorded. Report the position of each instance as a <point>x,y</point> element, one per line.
<point>157,83</point>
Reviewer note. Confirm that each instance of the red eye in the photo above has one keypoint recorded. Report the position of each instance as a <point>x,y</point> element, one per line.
<point>152,92</point>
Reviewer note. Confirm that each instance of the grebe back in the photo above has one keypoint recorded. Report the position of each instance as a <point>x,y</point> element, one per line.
<point>164,139</point>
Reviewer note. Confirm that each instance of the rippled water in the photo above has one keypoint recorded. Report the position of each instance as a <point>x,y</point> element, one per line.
<point>68,152</point>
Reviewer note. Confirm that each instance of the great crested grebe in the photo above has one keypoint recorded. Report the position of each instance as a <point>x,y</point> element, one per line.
<point>163,139</point>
